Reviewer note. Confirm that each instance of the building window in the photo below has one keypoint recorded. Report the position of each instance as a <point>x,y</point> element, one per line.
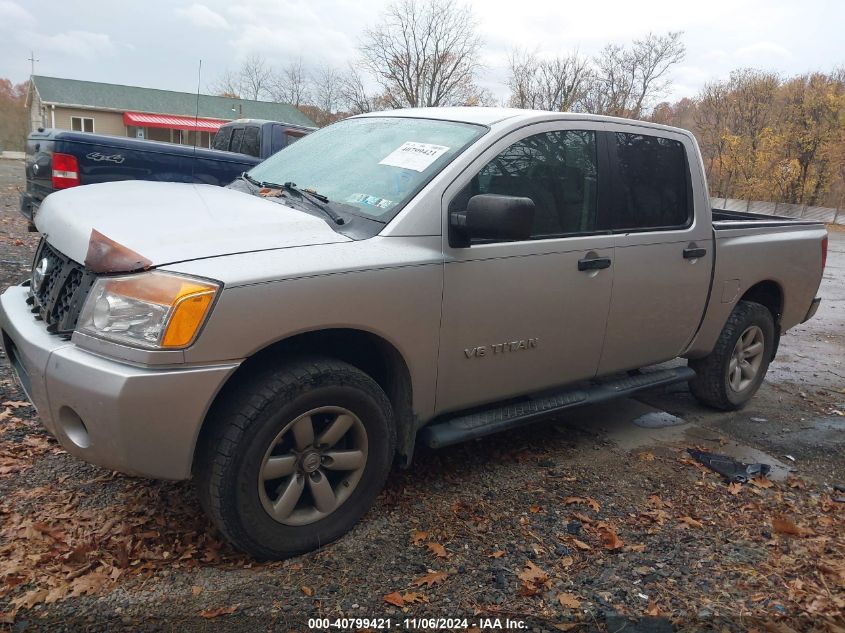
<point>81,124</point>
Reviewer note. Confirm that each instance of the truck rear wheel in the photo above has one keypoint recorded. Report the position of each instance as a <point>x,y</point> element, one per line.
<point>295,456</point>
<point>731,374</point>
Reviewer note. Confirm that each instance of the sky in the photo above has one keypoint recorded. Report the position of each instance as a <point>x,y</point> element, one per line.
<point>158,43</point>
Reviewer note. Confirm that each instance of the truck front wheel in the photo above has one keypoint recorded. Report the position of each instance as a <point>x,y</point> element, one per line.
<point>295,456</point>
<point>731,374</point>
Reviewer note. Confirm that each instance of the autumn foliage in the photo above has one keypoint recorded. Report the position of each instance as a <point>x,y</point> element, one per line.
<point>13,116</point>
<point>764,137</point>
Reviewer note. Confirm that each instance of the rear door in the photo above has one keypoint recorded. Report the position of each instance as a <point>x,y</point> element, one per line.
<point>663,248</point>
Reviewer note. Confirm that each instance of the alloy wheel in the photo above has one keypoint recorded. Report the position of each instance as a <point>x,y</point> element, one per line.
<point>313,465</point>
<point>746,359</point>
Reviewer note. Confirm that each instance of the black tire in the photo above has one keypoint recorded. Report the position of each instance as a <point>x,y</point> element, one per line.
<point>712,385</point>
<point>253,412</point>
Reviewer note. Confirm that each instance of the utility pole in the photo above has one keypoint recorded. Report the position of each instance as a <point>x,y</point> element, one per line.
<point>32,61</point>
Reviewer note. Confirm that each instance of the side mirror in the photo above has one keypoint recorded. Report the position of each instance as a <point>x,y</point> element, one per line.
<point>493,217</point>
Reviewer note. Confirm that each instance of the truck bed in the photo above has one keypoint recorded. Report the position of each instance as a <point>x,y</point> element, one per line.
<point>724,219</point>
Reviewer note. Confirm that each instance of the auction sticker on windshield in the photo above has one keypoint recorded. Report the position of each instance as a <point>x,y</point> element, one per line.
<point>416,156</point>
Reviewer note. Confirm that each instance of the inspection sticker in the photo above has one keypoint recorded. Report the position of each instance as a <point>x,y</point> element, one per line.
<point>416,156</point>
<point>371,201</point>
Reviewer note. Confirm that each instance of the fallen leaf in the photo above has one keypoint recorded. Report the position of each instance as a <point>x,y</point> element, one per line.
<point>581,545</point>
<point>88,584</point>
<point>528,590</point>
<point>430,579</point>
<point>395,599</point>
<point>532,574</point>
<point>581,517</point>
<point>497,554</point>
<point>16,404</point>
<point>585,500</point>
<point>783,525</point>
<point>689,521</point>
<point>610,539</point>
<point>196,590</point>
<point>418,537</point>
<point>412,597</point>
<point>646,457</point>
<point>437,549</point>
<point>735,488</point>
<point>761,482</point>
<point>534,509</point>
<point>653,610</point>
<point>29,599</point>
<point>569,601</point>
<point>217,612</point>
<point>308,591</point>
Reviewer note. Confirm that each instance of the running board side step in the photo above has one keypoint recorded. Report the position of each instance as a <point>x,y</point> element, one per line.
<point>510,416</point>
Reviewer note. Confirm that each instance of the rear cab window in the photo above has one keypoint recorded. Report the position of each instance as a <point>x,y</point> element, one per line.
<point>237,136</point>
<point>250,143</point>
<point>651,187</point>
<point>222,138</point>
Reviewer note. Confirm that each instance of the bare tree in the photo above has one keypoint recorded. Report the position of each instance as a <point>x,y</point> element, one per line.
<point>628,79</point>
<point>556,84</point>
<point>327,89</point>
<point>250,81</point>
<point>290,85</point>
<point>424,53</point>
<point>353,92</point>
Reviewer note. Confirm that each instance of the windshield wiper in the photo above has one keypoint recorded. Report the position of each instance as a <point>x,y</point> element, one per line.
<point>316,199</point>
<point>250,179</point>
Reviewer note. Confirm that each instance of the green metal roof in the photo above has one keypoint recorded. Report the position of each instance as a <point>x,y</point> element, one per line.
<point>92,94</point>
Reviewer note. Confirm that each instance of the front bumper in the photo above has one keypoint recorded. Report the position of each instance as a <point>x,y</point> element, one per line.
<point>137,420</point>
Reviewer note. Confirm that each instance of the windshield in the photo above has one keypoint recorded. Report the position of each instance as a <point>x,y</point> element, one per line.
<point>374,164</point>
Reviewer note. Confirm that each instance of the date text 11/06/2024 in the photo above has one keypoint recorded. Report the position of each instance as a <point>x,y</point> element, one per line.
<point>449,624</point>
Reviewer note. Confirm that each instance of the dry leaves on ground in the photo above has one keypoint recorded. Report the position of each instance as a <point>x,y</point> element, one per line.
<point>569,601</point>
<point>430,579</point>
<point>218,611</point>
<point>437,549</point>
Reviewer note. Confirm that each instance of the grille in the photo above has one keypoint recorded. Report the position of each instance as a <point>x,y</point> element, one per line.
<point>58,288</point>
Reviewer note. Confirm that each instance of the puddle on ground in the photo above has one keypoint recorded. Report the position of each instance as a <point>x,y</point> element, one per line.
<point>633,425</point>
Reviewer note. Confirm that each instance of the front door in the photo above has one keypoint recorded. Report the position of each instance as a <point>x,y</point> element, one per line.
<point>663,252</point>
<point>522,316</point>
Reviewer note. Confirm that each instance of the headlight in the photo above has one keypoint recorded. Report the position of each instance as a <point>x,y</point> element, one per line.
<point>153,309</point>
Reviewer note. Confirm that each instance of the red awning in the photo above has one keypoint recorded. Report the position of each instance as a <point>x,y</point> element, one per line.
<point>170,122</point>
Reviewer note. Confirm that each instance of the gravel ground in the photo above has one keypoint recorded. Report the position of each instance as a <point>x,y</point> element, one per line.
<point>587,522</point>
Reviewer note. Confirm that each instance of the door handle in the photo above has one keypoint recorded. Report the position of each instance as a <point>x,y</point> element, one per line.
<point>694,253</point>
<point>594,263</point>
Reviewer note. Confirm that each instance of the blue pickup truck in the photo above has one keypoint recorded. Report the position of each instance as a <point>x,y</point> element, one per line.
<point>58,159</point>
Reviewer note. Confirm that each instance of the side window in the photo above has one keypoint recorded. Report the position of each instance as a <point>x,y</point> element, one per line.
<point>237,135</point>
<point>222,138</point>
<point>651,188</point>
<point>250,143</point>
<point>557,170</point>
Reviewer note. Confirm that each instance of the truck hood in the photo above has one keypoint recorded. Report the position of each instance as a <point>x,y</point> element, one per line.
<point>166,222</point>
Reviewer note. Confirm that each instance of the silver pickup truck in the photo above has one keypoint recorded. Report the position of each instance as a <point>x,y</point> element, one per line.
<point>428,275</point>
